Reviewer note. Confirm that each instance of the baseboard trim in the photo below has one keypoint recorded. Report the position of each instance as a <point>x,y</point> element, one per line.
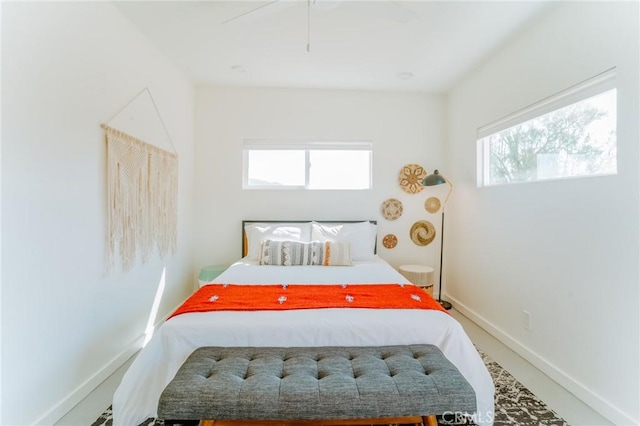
<point>65,405</point>
<point>588,396</point>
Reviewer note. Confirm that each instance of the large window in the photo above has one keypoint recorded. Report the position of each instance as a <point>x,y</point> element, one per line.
<point>306,165</point>
<point>570,134</point>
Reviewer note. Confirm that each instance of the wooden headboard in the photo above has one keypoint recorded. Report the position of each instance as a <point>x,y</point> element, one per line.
<point>249,222</point>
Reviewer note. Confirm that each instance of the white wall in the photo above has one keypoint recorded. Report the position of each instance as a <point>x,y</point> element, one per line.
<point>66,321</point>
<point>404,128</point>
<point>566,251</point>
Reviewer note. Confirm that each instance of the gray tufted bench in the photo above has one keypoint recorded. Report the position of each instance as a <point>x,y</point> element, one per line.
<point>387,384</point>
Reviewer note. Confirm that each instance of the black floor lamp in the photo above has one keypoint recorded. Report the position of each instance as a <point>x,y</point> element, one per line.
<point>432,180</point>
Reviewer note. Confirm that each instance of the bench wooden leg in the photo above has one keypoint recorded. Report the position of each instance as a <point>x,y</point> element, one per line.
<point>430,421</point>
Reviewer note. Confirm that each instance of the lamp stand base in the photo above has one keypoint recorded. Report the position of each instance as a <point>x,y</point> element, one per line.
<point>445,304</point>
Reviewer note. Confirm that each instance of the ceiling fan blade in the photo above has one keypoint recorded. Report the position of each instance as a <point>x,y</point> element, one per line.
<point>256,12</point>
<point>325,4</point>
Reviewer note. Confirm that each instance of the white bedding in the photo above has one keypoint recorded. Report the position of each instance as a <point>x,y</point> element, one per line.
<point>136,398</point>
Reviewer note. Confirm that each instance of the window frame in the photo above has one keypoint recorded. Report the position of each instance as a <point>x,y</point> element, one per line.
<point>307,146</point>
<point>584,90</point>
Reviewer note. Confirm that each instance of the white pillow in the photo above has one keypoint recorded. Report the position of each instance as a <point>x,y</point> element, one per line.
<point>258,232</point>
<point>360,235</point>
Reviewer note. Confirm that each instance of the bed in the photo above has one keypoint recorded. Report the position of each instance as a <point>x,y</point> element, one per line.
<point>136,398</point>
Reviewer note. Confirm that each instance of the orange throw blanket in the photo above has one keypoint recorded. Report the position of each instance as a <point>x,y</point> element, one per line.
<point>233,297</point>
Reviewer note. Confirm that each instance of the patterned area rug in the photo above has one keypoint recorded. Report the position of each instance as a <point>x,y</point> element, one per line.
<point>514,404</point>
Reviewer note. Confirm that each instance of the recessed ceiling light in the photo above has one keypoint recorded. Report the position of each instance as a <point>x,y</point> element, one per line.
<point>404,75</point>
<point>237,68</point>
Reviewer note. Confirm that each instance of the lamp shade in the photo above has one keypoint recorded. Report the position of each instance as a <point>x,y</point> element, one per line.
<point>434,179</point>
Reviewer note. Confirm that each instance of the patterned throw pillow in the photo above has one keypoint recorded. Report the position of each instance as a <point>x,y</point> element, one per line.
<point>295,253</point>
<point>336,253</point>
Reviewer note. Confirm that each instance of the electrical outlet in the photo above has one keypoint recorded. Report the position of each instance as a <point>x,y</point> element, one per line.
<point>526,320</point>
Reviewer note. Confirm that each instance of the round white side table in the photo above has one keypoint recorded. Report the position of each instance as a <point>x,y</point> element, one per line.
<point>420,275</point>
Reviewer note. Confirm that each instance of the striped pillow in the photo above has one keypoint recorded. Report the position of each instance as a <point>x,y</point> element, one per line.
<point>336,253</point>
<point>296,253</point>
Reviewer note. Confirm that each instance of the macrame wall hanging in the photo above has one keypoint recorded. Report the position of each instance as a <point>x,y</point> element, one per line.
<point>142,189</point>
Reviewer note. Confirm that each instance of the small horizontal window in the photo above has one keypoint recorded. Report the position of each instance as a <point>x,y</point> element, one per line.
<point>571,134</point>
<point>306,165</point>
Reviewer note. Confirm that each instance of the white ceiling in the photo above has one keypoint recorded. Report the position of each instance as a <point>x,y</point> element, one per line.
<point>353,45</point>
